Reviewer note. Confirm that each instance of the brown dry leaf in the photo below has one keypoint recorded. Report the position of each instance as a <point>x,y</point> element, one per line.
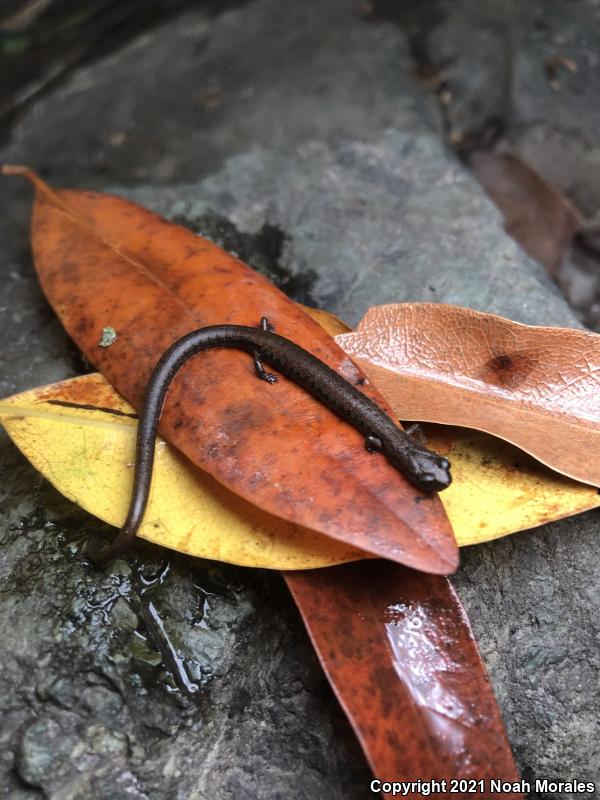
<point>541,219</point>
<point>536,387</point>
<point>496,489</point>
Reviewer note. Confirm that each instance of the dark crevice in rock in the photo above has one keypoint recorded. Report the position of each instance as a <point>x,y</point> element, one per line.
<point>263,250</point>
<point>80,365</point>
<point>479,125</point>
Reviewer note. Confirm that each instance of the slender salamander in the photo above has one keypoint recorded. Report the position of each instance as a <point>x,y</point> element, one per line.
<point>426,470</point>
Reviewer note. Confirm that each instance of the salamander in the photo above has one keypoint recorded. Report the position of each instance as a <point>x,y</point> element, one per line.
<point>426,470</point>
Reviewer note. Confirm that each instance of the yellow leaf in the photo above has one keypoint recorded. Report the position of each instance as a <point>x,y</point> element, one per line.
<point>87,454</point>
<point>328,321</point>
<point>498,489</point>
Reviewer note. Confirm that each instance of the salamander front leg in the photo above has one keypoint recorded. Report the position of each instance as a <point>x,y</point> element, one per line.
<point>265,325</point>
<point>262,373</point>
<point>373,444</point>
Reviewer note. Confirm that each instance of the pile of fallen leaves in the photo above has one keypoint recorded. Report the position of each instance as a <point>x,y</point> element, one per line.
<point>265,476</point>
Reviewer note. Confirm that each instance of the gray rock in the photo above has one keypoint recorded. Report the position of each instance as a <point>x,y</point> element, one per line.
<point>410,224</point>
<point>556,117</point>
<point>540,646</point>
<point>268,73</point>
<point>166,677</point>
<point>527,73</point>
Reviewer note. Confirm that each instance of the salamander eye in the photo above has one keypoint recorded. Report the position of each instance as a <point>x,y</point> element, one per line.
<point>443,463</point>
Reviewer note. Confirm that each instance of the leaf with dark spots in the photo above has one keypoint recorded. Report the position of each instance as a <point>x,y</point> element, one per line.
<point>105,262</point>
<point>508,370</point>
<point>535,387</point>
<point>400,655</point>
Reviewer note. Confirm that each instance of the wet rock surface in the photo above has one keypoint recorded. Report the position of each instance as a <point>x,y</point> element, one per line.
<point>297,137</point>
<point>162,677</point>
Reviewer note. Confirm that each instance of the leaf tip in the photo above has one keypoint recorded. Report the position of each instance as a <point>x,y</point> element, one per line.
<point>25,172</point>
<point>40,185</point>
<point>446,564</point>
<point>443,559</point>
<point>453,563</point>
<point>18,169</point>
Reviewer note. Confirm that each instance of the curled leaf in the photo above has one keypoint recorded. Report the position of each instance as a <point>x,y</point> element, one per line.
<point>533,386</point>
<point>496,489</point>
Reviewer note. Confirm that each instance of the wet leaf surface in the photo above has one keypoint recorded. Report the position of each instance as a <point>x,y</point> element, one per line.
<point>398,651</point>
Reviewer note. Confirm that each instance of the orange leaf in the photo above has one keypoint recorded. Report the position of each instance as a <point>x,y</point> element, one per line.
<point>399,653</point>
<point>535,387</point>
<point>126,284</point>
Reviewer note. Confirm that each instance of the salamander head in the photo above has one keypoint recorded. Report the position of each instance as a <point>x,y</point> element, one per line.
<point>433,473</point>
<point>426,470</point>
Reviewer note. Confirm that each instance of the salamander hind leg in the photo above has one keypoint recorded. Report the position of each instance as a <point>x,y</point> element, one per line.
<point>262,373</point>
<point>416,432</point>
